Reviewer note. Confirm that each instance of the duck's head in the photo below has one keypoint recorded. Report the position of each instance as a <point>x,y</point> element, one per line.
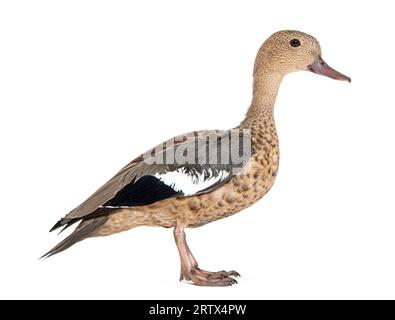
<point>289,51</point>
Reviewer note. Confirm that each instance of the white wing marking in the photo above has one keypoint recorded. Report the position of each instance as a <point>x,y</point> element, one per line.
<point>190,183</point>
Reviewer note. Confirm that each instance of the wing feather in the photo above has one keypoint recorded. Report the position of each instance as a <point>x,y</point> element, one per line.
<point>109,193</point>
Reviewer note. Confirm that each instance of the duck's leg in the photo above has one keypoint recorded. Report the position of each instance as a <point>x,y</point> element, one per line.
<point>189,266</point>
<point>211,274</point>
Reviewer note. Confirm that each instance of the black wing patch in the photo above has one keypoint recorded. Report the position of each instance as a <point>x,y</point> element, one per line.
<point>144,191</point>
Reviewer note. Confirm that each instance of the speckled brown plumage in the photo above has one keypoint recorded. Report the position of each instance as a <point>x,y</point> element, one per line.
<point>239,193</point>
<point>282,53</point>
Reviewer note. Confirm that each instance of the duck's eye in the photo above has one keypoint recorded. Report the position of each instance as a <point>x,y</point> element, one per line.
<point>295,43</point>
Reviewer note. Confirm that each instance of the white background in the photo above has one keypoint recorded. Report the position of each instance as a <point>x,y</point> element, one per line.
<point>85,86</point>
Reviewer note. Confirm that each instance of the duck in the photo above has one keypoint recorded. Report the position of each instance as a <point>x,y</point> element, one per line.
<point>202,176</point>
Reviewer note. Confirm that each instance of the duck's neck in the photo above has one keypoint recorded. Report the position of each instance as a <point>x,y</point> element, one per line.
<point>265,90</point>
<point>260,116</point>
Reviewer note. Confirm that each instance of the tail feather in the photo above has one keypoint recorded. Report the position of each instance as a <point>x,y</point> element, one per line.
<point>57,225</point>
<point>66,226</point>
<point>84,229</point>
<point>65,222</point>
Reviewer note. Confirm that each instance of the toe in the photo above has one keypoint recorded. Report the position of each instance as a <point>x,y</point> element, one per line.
<point>233,273</point>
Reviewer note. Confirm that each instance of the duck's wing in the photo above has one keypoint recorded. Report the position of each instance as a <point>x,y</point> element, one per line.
<point>187,165</point>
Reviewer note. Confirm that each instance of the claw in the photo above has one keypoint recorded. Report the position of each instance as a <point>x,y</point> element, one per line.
<point>234,273</point>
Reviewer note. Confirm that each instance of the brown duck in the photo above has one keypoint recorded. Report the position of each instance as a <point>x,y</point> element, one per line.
<point>202,176</point>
